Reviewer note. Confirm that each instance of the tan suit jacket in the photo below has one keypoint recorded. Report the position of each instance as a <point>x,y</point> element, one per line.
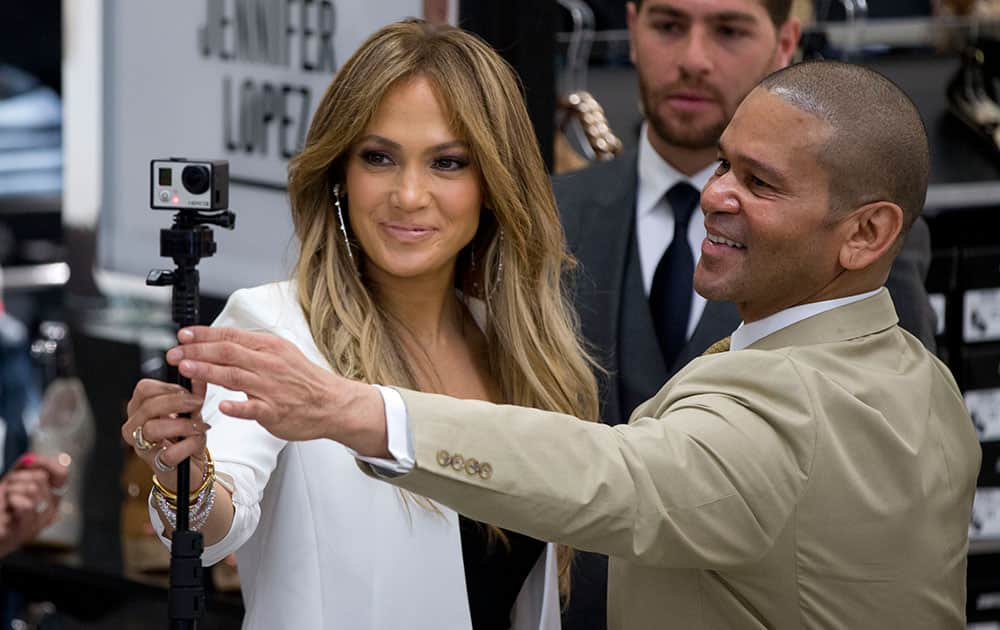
<point>822,478</point>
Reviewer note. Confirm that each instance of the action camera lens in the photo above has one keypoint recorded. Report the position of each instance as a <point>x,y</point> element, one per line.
<point>196,179</point>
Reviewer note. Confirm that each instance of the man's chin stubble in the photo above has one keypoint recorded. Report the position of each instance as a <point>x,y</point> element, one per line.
<point>706,139</point>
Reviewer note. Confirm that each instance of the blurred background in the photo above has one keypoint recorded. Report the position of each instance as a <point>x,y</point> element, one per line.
<point>92,90</point>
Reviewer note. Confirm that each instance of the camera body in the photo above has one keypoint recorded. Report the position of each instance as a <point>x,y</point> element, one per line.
<point>183,184</point>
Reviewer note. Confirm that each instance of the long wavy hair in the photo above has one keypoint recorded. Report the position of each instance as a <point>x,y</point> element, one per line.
<point>515,263</point>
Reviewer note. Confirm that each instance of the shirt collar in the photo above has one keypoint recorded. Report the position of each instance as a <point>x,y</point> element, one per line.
<point>657,176</point>
<point>747,334</point>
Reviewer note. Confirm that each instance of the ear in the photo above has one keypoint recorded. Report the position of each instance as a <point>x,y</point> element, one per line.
<point>788,42</point>
<point>631,19</point>
<point>872,232</point>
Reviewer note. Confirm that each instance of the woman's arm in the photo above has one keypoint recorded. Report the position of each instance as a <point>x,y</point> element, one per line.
<point>244,454</point>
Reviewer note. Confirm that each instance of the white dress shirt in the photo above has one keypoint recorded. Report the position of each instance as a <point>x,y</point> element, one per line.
<point>654,218</point>
<point>398,422</point>
<point>746,334</point>
<point>322,545</point>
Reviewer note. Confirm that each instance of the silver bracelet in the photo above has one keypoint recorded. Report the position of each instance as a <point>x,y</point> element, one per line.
<point>200,516</point>
<point>198,512</point>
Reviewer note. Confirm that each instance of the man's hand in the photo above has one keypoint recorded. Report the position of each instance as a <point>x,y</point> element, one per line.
<point>289,395</point>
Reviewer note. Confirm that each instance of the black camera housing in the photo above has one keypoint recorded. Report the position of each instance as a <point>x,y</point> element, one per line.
<point>183,184</point>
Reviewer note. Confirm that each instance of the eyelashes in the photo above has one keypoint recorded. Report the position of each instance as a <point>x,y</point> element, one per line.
<point>447,163</point>
<point>375,158</point>
<point>451,163</point>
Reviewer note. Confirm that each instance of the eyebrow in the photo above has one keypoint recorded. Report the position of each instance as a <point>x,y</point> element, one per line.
<point>666,10</point>
<point>444,146</point>
<point>771,173</point>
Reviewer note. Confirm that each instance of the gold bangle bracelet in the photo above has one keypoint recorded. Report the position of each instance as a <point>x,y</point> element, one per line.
<point>207,480</point>
<point>171,497</point>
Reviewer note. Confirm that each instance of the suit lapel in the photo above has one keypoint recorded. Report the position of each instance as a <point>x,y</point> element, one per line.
<point>603,247</point>
<point>602,242</point>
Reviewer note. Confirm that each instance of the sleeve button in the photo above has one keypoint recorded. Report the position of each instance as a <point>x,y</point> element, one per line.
<point>457,461</point>
<point>443,458</point>
<point>471,466</point>
<point>485,470</point>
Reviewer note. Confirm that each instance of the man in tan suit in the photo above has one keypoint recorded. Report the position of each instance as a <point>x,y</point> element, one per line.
<point>818,474</point>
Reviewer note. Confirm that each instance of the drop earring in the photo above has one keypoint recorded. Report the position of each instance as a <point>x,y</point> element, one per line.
<point>499,275</point>
<point>340,217</point>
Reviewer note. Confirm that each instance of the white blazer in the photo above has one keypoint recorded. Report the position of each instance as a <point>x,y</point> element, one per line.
<point>321,545</point>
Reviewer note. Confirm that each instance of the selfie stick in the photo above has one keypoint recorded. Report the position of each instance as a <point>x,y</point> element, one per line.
<point>187,241</point>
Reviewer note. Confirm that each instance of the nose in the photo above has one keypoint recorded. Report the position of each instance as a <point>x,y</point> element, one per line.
<point>720,195</point>
<point>411,191</point>
<point>695,59</point>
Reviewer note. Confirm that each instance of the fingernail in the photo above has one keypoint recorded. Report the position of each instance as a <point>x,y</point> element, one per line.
<point>175,354</point>
<point>28,459</point>
<point>185,335</point>
<point>187,366</point>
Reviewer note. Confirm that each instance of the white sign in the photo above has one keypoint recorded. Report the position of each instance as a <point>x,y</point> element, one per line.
<point>217,79</point>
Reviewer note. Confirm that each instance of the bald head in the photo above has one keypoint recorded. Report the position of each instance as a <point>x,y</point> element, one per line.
<point>877,150</point>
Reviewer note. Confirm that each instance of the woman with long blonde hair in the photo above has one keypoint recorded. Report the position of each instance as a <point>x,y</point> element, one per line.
<point>431,257</point>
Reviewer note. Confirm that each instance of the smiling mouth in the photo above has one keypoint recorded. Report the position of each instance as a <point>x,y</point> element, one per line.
<point>409,229</point>
<point>718,240</point>
<point>408,233</point>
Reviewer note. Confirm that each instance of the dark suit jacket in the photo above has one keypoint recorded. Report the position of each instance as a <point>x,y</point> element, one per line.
<point>597,206</point>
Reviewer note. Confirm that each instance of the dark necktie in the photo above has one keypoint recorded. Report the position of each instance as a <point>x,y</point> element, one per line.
<point>670,295</point>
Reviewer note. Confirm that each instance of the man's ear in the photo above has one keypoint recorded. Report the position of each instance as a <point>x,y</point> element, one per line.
<point>788,42</point>
<point>631,18</point>
<point>871,234</point>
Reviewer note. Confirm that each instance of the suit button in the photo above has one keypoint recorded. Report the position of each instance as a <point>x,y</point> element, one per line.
<point>485,470</point>
<point>457,461</point>
<point>472,466</point>
<point>443,457</point>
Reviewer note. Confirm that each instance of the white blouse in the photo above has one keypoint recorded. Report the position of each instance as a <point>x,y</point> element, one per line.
<point>321,545</point>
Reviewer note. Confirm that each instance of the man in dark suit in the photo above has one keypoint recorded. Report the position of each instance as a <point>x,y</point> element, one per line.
<point>696,60</point>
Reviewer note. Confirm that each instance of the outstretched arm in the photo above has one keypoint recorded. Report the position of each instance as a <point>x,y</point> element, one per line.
<point>287,394</point>
<point>700,479</point>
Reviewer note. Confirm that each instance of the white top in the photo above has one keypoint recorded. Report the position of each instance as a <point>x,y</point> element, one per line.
<point>321,545</point>
<point>654,218</point>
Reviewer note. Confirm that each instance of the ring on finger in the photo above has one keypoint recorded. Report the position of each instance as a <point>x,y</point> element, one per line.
<point>140,442</point>
<point>158,463</point>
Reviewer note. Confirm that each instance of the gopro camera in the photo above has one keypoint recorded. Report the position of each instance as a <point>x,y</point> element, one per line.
<point>182,184</point>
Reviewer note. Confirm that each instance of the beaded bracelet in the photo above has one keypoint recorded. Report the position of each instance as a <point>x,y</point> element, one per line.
<point>201,507</point>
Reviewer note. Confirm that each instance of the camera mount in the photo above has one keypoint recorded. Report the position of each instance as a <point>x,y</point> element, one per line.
<point>187,241</point>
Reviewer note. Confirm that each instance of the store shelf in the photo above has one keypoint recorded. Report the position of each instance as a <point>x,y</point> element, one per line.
<point>963,195</point>
<point>979,546</point>
<point>42,276</point>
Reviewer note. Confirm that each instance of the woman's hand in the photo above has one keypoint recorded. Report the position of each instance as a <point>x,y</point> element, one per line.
<point>289,395</point>
<point>160,437</point>
<point>29,499</point>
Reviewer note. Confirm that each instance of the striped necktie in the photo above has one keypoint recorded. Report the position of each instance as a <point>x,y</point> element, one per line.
<point>722,345</point>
